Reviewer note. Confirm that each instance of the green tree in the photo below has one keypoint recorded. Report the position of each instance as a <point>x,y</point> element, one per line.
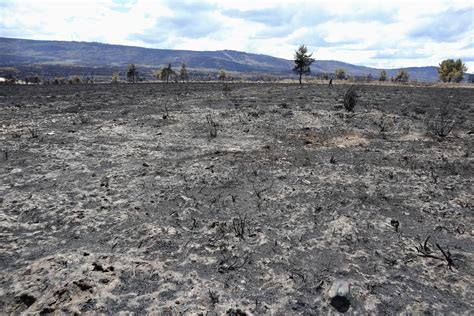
<point>132,73</point>
<point>166,73</point>
<point>451,70</point>
<point>75,80</point>
<point>402,76</point>
<point>59,80</point>
<point>115,77</point>
<point>340,74</point>
<point>33,79</point>
<point>10,79</point>
<point>183,73</point>
<point>222,75</point>
<point>303,61</point>
<point>383,76</point>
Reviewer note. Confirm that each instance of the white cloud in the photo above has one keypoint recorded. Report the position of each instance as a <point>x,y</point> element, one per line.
<point>374,33</point>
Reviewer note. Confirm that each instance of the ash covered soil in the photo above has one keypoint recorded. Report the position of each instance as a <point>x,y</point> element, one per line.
<point>108,205</point>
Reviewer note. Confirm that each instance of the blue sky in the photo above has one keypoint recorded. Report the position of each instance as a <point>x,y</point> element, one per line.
<point>382,33</point>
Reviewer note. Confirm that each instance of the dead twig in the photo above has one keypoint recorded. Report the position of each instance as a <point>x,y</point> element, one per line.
<point>194,224</point>
<point>295,275</point>
<point>425,251</point>
<point>33,132</point>
<point>166,114</point>
<point>239,225</point>
<point>259,189</point>
<point>212,126</point>
<point>214,297</point>
<point>231,263</point>
<point>447,256</point>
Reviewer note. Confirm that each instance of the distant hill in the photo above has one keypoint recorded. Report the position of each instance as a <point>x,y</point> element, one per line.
<point>47,57</point>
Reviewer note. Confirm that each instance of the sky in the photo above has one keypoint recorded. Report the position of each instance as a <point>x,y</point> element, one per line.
<point>374,33</point>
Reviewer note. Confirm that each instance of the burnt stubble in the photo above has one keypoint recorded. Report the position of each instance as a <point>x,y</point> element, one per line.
<point>126,198</point>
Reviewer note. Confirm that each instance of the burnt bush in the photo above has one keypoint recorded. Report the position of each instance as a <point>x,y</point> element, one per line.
<point>350,99</point>
<point>442,123</point>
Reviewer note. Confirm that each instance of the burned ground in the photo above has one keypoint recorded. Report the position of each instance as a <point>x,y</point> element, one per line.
<point>249,198</point>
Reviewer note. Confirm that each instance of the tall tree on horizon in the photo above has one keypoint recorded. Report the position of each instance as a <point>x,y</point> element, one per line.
<point>402,76</point>
<point>451,70</point>
<point>166,73</point>
<point>183,73</point>
<point>302,61</point>
<point>222,75</point>
<point>340,74</point>
<point>132,73</point>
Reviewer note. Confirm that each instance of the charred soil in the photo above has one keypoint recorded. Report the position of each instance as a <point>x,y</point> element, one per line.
<point>236,198</point>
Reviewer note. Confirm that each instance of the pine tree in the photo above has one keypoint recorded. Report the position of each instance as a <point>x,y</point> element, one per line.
<point>451,70</point>
<point>302,61</point>
<point>166,73</point>
<point>340,74</point>
<point>402,76</point>
<point>132,73</point>
<point>183,73</point>
<point>222,75</point>
<point>115,77</point>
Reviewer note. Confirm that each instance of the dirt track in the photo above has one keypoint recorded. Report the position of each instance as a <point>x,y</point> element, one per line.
<point>106,206</point>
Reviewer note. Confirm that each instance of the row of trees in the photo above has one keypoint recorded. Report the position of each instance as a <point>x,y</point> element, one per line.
<point>449,70</point>
<point>166,74</point>
<point>402,76</point>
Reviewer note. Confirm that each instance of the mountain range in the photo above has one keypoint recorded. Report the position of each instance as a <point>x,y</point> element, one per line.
<point>47,58</point>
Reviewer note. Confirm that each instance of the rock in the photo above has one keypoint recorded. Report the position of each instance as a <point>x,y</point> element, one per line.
<point>395,224</point>
<point>16,170</point>
<point>27,299</point>
<point>339,295</point>
<point>83,285</point>
<point>145,164</point>
<point>236,312</point>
